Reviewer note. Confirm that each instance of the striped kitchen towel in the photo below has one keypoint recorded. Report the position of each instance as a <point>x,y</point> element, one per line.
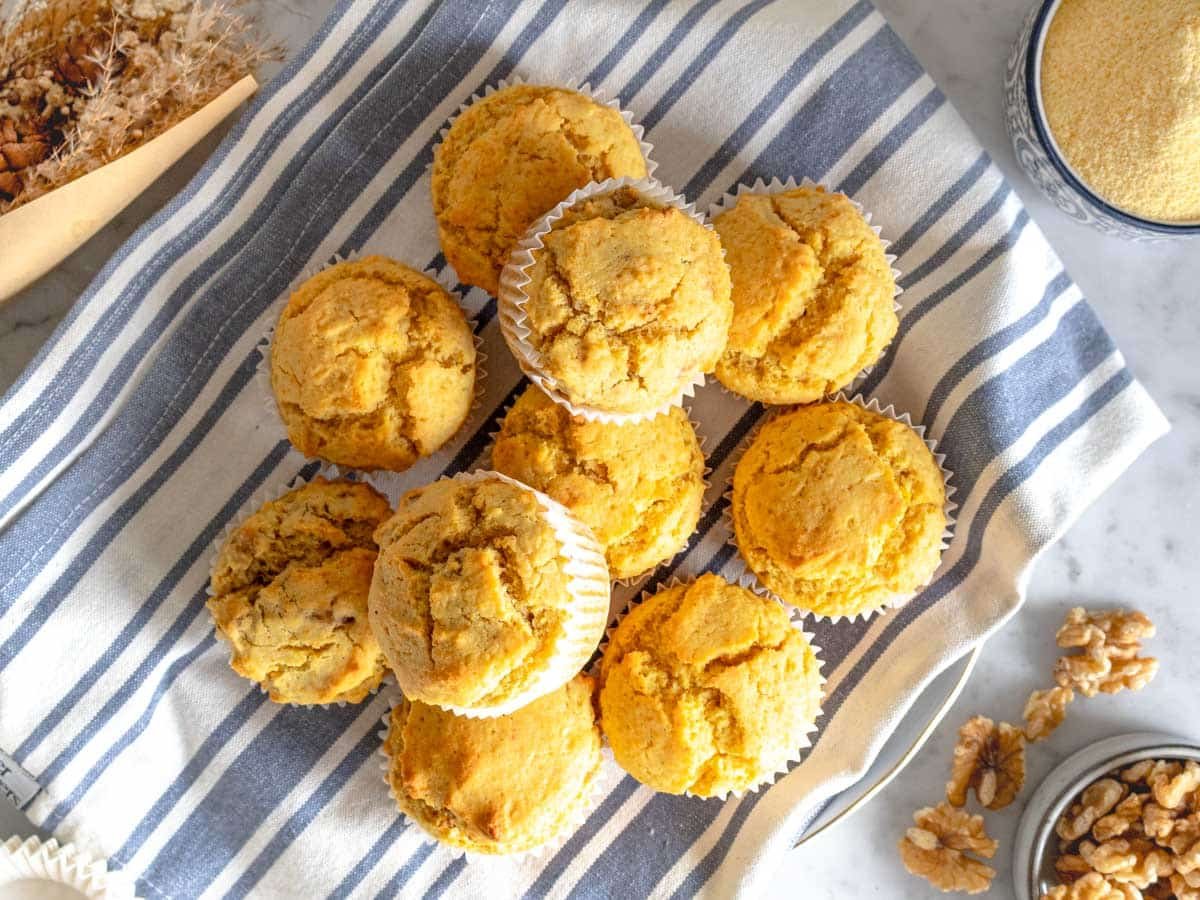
<point>137,435</point>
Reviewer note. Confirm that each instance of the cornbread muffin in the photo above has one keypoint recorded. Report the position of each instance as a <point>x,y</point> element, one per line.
<point>707,688</point>
<point>1120,86</point>
<point>500,785</point>
<point>812,295</point>
<point>509,158</point>
<point>839,510</point>
<point>627,301</point>
<point>471,600</point>
<point>290,593</point>
<point>372,365</point>
<point>638,486</point>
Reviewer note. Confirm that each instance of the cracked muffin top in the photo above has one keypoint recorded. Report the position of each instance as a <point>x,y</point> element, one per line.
<point>627,302</point>
<point>638,486</point>
<point>372,365</point>
<point>499,785</point>
<point>470,595</point>
<point>509,158</point>
<point>707,688</point>
<point>812,295</point>
<point>839,510</point>
<point>290,593</point>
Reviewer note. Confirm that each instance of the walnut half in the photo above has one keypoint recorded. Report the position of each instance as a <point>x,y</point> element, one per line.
<point>936,849</point>
<point>1045,711</point>
<point>990,759</point>
<point>1110,641</point>
<point>1092,886</point>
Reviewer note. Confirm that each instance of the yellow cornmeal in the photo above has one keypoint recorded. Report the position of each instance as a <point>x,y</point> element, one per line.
<point>627,301</point>
<point>812,295</point>
<point>839,510</point>
<point>1120,86</point>
<point>639,486</point>
<point>469,596</point>
<point>290,593</point>
<point>500,785</point>
<point>509,158</point>
<point>707,688</point>
<point>372,365</point>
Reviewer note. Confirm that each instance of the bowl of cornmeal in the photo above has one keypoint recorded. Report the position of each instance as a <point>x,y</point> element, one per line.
<point>1103,106</point>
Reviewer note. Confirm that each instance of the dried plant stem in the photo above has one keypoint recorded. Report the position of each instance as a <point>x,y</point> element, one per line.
<point>83,82</point>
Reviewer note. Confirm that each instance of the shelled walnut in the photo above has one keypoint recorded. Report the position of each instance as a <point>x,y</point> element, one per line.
<point>1045,711</point>
<point>1092,886</point>
<point>989,759</point>
<point>1110,642</point>
<point>1135,832</point>
<point>936,849</point>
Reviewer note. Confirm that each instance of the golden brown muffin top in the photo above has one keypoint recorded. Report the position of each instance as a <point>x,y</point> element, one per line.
<point>499,785</point>
<point>707,688</point>
<point>509,158</point>
<point>372,365</point>
<point>812,294</point>
<point>839,510</point>
<point>290,593</point>
<point>627,301</point>
<point>639,487</point>
<point>470,595</point>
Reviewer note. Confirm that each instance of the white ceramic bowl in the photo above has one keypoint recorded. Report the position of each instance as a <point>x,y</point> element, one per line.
<point>1040,157</point>
<point>1036,847</point>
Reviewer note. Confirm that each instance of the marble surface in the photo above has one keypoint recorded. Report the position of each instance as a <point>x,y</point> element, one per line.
<point>1138,545</point>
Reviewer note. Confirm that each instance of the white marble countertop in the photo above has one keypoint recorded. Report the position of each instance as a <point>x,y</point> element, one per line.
<point>1138,545</point>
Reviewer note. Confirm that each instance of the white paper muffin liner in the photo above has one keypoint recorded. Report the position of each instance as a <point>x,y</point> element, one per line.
<point>262,372</point>
<point>257,501</point>
<point>796,618</point>
<point>513,299</point>
<point>745,575</point>
<point>586,613</point>
<point>542,851</point>
<point>729,200</point>
<point>60,869</point>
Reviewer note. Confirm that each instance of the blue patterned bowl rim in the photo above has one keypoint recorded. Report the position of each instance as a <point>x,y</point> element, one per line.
<point>1033,59</point>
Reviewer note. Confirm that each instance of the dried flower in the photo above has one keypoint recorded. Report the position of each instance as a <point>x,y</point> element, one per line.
<point>84,82</point>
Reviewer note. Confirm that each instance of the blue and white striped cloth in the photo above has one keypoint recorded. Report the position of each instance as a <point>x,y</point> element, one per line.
<point>137,434</point>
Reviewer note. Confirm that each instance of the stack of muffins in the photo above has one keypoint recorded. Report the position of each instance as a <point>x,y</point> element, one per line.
<point>487,594</point>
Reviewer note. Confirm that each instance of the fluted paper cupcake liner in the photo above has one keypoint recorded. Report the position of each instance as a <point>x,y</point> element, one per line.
<point>262,372</point>
<point>746,577</point>
<point>729,200</point>
<point>30,861</point>
<point>257,501</point>
<point>586,612</point>
<point>797,620</point>
<point>542,851</point>
<point>513,299</point>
